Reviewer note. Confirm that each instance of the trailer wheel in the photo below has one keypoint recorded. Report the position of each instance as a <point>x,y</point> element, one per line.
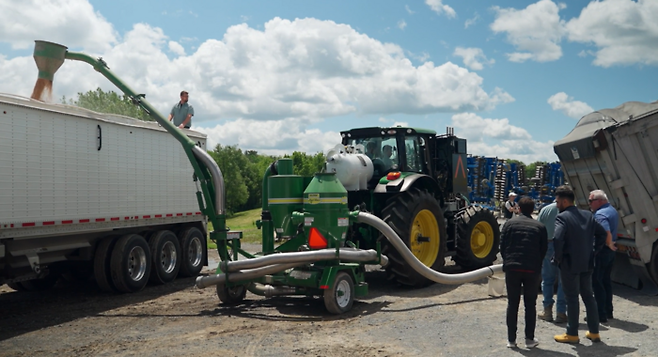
<point>417,218</point>
<point>231,295</point>
<point>102,270</point>
<point>165,254</point>
<point>130,263</point>
<point>340,297</point>
<point>193,251</point>
<point>478,240</point>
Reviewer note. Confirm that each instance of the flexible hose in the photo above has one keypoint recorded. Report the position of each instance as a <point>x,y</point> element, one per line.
<point>421,268</point>
<point>345,254</point>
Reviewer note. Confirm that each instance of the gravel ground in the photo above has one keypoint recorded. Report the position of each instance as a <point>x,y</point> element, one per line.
<point>180,320</point>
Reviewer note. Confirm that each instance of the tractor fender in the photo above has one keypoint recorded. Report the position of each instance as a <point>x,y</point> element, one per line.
<point>405,183</point>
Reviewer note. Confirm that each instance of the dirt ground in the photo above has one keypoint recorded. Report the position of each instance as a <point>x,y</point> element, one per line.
<point>77,319</point>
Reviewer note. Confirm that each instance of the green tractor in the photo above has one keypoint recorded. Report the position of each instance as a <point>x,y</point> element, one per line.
<point>418,186</point>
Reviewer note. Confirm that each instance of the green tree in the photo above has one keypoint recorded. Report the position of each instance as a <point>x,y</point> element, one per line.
<point>108,102</point>
<point>228,159</point>
<point>305,164</point>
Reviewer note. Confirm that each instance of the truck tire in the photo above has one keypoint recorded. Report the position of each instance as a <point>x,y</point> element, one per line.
<point>166,257</point>
<point>340,298</point>
<point>130,263</point>
<point>652,266</point>
<point>478,238</point>
<point>417,218</point>
<point>231,295</point>
<point>193,250</point>
<point>102,271</point>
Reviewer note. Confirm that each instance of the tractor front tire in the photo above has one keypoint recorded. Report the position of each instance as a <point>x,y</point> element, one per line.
<point>478,240</point>
<point>417,219</point>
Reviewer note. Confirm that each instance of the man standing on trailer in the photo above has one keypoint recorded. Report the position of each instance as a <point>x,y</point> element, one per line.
<point>577,238</point>
<point>182,112</point>
<point>608,217</point>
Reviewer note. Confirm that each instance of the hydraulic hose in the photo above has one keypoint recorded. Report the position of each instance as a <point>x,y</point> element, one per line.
<point>428,273</point>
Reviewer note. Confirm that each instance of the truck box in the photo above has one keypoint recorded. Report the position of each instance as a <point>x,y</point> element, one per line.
<point>70,177</point>
<point>616,150</point>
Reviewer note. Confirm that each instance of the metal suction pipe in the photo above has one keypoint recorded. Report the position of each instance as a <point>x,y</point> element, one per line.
<point>428,273</point>
<point>269,290</point>
<point>344,254</point>
<point>216,176</point>
<point>203,282</point>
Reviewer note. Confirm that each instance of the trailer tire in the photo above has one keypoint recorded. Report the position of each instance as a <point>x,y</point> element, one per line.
<point>414,214</point>
<point>478,238</point>
<point>130,263</point>
<point>231,295</point>
<point>166,257</point>
<point>192,243</point>
<point>102,269</point>
<point>340,298</point>
<point>652,266</point>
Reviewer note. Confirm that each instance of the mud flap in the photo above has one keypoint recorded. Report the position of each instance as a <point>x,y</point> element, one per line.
<point>636,276</point>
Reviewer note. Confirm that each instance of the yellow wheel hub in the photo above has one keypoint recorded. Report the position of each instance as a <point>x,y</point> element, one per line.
<point>425,238</point>
<point>482,239</point>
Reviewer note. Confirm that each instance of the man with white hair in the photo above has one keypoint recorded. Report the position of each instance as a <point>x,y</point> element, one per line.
<point>608,217</point>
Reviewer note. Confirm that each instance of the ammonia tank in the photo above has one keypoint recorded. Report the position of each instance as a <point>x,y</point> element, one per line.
<point>352,170</point>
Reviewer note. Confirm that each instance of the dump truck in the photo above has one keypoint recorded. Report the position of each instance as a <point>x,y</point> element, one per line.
<point>615,150</point>
<point>87,194</point>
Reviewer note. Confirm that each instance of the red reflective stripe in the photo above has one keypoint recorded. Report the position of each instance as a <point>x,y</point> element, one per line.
<point>100,219</point>
<point>198,213</point>
<point>84,221</point>
<point>158,216</point>
<point>49,223</point>
<point>126,218</point>
<point>147,216</point>
<point>30,224</point>
<point>324,287</point>
<point>178,214</point>
<point>189,213</point>
<point>67,222</point>
<point>114,219</point>
<point>170,215</point>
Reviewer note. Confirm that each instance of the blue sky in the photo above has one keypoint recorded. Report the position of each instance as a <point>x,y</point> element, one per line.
<point>512,77</point>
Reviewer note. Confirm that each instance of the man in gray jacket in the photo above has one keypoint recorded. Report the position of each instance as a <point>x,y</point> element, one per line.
<point>576,240</point>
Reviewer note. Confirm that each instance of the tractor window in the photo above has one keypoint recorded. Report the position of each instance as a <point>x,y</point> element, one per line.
<point>414,152</point>
<point>390,153</point>
<point>382,149</point>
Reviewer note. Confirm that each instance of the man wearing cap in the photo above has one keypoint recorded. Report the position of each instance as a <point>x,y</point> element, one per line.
<point>511,207</point>
<point>182,112</point>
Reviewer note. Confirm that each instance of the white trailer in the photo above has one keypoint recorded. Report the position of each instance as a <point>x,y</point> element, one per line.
<point>105,194</point>
<point>616,150</point>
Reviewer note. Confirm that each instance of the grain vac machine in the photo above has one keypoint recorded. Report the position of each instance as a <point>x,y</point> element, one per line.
<point>310,214</point>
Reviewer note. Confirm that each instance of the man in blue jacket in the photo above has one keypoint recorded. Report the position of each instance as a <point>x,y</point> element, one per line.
<point>578,237</point>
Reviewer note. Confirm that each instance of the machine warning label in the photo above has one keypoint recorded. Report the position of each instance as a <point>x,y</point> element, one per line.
<point>343,222</point>
<point>308,221</point>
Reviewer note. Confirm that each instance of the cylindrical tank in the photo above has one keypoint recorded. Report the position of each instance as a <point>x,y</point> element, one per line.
<point>352,170</point>
<point>285,196</point>
<point>325,208</point>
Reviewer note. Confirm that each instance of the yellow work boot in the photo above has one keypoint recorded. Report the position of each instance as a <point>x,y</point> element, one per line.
<point>564,338</point>
<point>595,337</point>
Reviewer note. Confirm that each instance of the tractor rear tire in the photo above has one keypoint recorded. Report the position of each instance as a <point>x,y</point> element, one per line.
<point>340,298</point>
<point>478,238</point>
<point>231,295</point>
<point>412,215</point>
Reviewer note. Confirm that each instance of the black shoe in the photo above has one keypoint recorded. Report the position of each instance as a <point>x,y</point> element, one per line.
<point>610,317</point>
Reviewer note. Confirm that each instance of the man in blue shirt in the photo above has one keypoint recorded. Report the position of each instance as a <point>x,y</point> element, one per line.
<point>550,272</point>
<point>608,217</point>
<point>182,112</point>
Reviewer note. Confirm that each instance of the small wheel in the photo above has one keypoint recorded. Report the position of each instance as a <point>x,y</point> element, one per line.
<point>340,298</point>
<point>231,295</point>
<point>193,251</point>
<point>165,254</point>
<point>102,271</point>
<point>130,263</point>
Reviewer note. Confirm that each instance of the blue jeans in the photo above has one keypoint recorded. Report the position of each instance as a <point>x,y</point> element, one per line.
<point>550,273</point>
<point>602,282</point>
<point>574,285</point>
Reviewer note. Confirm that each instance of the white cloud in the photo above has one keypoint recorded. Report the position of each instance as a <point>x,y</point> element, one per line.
<point>411,12</point>
<point>176,48</point>
<point>472,21</point>
<point>70,22</point>
<point>535,31</point>
<point>438,7</point>
<point>486,136</point>
<point>624,31</point>
<point>473,58</point>
<point>402,24</point>
<point>571,108</point>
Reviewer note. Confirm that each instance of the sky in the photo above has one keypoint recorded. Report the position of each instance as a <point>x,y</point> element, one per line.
<point>277,76</point>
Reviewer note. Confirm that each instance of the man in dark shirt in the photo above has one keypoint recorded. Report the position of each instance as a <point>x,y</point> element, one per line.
<point>523,244</point>
<point>577,238</point>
